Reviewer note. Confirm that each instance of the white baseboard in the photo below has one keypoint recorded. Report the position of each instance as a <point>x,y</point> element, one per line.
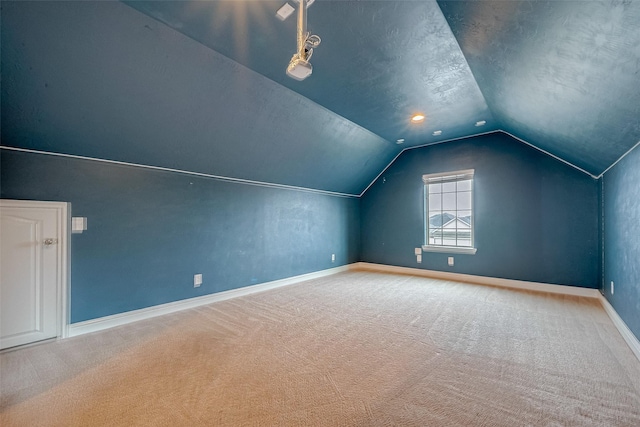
<point>107,322</point>
<point>481,280</point>
<point>622,327</point>
<point>119,319</point>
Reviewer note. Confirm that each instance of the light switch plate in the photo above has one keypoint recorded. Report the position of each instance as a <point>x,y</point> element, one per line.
<point>78,224</point>
<point>417,251</point>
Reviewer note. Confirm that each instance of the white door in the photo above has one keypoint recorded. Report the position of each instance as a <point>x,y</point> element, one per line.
<point>32,270</point>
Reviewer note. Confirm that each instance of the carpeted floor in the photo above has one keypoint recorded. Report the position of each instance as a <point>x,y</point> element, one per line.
<point>354,349</point>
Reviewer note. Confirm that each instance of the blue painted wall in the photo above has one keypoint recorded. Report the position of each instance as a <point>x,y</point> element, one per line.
<point>101,80</point>
<point>150,231</point>
<point>536,218</point>
<point>622,238</point>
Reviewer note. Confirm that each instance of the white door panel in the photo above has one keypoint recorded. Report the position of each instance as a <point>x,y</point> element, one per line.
<point>30,271</point>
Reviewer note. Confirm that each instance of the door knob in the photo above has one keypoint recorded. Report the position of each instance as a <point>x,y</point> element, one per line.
<point>50,241</point>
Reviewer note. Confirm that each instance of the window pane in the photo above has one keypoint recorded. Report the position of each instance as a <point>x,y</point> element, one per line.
<point>464,200</point>
<point>437,220</point>
<point>435,202</point>
<point>464,185</point>
<point>464,241</point>
<point>449,201</point>
<point>465,217</point>
<point>449,187</point>
<point>448,218</point>
<point>449,212</point>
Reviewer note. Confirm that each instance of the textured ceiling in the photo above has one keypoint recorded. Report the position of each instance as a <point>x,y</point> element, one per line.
<point>379,61</point>
<point>201,86</point>
<point>100,79</point>
<point>562,75</point>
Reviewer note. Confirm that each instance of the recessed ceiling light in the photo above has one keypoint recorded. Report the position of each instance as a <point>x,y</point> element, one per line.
<point>437,133</point>
<point>481,123</point>
<point>417,118</point>
<point>400,141</point>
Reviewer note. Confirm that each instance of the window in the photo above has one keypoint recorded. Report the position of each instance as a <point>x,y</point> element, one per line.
<point>448,212</point>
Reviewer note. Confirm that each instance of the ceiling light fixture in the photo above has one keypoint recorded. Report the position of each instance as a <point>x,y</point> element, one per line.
<point>400,141</point>
<point>309,2</point>
<point>417,118</point>
<point>481,123</point>
<point>285,11</point>
<point>299,67</point>
<point>437,133</point>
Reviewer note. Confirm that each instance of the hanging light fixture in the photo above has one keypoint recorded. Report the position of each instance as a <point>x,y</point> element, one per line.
<point>299,67</point>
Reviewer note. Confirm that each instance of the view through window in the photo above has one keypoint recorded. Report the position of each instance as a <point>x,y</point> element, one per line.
<point>449,209</point>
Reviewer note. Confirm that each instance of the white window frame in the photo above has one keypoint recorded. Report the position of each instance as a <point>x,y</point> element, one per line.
<point>434,178</point>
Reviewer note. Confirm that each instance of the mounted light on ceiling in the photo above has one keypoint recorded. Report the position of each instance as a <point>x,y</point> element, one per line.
<point>299,67</point>
<point>481,123</point>
<point>417,118</point>
<point>285,11</point>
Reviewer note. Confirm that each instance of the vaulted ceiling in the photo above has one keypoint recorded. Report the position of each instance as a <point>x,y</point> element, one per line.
<point>201,86</point>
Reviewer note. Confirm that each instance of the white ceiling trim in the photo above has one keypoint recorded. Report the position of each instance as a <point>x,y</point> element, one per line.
<point>489,133</point>
<point>621,157</point>
<point>549,154</point>
<point>421,146</point>
<point>184,172</point>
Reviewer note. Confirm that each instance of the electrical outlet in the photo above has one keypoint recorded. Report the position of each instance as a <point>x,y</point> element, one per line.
<point>612,287</point>
<point>333,257</point>
<point>450,261</point>
<point>197,280</point>
<point>419,259</point>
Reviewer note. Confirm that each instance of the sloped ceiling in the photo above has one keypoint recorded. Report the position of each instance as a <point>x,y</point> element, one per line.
<point>563,75</point>
<point>379,61</point>
<point>201,86</point>
<point>100,79</point>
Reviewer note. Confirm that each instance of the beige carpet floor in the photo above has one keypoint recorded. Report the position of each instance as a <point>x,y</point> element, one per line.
<point>354,349</point>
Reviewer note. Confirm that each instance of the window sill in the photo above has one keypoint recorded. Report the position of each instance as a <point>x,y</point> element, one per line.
<point>449,249</point>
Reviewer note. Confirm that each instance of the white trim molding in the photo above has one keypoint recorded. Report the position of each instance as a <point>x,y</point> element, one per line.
<point>549,154</point>
<point>422,146</point>
<point>120,319</point>
<point>489,133</point>
<point>627,335</point>
<point>480,280</point>
<point>619,159</point>
<point>449,249</point>
<point>185,172</point>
